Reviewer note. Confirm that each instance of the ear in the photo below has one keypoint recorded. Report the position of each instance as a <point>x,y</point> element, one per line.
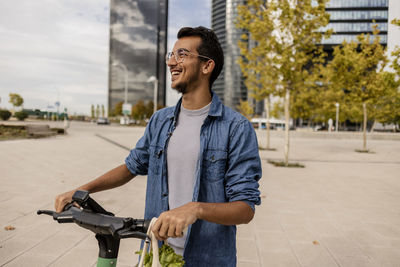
<point>208,67</point>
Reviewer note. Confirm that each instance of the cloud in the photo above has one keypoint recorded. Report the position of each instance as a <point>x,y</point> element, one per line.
<point>59,49</point>
<point>49,46</point>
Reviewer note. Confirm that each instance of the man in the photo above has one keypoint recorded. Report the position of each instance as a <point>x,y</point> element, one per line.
<point>201,159</point>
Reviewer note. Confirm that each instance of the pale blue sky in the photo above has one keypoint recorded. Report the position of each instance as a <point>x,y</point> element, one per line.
<point>53,50</point>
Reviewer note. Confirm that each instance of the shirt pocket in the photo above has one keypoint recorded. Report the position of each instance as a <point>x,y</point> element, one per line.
<point>155,158</point>
<point>214,164</point>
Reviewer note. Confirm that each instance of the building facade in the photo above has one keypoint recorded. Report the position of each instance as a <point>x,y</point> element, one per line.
<point>138,43</point>
<point>349,18</point>
<point>230,84</point>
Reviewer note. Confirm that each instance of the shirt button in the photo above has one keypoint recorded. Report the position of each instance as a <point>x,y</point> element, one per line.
<point>165,194</point>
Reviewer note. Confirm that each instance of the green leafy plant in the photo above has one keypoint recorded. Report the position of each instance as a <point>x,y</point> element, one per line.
<point>167,256</point>
<point>5,114</point>
<point>21,115</point>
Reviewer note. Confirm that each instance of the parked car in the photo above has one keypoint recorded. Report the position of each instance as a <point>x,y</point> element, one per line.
<point>103,121</point>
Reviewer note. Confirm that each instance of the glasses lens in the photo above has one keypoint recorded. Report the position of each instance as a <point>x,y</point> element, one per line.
<point>168,56</point>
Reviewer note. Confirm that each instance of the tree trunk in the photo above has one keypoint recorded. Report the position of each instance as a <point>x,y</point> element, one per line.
<point>267,111</point>
<point>365,127</point>
<point>372,127</point>
<point>287,126</point>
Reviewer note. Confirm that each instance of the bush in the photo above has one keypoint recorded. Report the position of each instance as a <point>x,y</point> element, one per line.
<point>5,114</point>
<point>21,115</point>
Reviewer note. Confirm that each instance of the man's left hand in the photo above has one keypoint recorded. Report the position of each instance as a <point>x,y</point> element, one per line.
<point>172,223</point>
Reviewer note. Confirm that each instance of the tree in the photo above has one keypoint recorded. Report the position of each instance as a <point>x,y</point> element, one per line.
<point>149,109</point>
<point>356,75</point>
<point>245,109</point>
<point>92,111</point>
<point>139,110</point>
<point>118,108</point>
<point>16,100</point>
<point>280,48</point>
<point>5,114</point>
<point>21,115</point>
<point>97,111</point>
<point>102,111</point>
<point>387,107</point>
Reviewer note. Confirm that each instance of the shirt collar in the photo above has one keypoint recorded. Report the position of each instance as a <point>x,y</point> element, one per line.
<point>215,108</point>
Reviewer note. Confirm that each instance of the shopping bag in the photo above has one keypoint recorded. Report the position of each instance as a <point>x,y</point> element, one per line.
<point>153,242</point>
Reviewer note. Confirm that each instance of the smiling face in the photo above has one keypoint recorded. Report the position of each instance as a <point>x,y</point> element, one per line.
<point>186,75</point>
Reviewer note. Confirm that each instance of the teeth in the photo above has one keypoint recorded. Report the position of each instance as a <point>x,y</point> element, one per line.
<point>175,73</point>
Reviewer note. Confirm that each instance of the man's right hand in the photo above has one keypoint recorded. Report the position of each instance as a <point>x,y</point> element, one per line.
<point>62,200</point>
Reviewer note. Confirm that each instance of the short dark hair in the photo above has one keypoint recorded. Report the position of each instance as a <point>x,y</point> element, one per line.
<point>209,47</point>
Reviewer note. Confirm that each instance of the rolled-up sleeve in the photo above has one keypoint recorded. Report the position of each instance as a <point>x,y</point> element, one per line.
<point>244,166</point>
<point>137,161</point>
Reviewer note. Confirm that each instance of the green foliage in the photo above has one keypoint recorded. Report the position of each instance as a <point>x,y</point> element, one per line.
<point>97,111</point>
<point>21,115</point>
<point>139,110</point>
<point>279,49</point>
<point>102,111</point>
<point>355,76</point>
<point>167,257</point>
<point>118,109</point>
<point>92,111</point>
<point>280,45</point>
<point>16,100</point>
<point>9,132</point>
<point>5,114</point>
<point>246,109</point>
<point>387,107</point>
<point>142,111</point>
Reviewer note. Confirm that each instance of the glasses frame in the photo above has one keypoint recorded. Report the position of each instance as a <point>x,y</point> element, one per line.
<point>180,59</point>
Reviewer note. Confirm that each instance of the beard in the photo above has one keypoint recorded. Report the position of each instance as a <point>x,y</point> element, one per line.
<point>183,86</point>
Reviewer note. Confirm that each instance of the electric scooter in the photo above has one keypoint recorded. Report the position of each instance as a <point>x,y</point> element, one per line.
<point>109,229</point>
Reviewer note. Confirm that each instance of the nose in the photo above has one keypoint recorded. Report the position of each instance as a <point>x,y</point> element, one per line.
<point>172,61</point>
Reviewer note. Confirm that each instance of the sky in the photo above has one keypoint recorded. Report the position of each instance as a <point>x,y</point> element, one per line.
<point>57,50</point>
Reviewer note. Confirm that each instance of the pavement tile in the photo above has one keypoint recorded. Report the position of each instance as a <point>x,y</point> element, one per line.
<point>32,259</point>
<point>383,256</point>
<point>248,250</point>
<point>349,261</point>
<point>241,263</point>
<point>341,246</point>
<point>346,201</point>
<point>313,254</point>
<point>272,241</point>
<point>279,258</point>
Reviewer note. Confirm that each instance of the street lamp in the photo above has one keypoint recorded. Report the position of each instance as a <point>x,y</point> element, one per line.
<point>154,80</point>
<point>337,117</point>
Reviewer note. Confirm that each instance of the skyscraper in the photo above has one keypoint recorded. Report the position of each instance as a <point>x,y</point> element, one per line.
<point>349,18</point>
<point>230,84</point>
<point>138,43</point>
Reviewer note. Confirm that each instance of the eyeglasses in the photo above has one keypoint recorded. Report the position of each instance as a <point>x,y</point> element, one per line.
<point>180,55</point>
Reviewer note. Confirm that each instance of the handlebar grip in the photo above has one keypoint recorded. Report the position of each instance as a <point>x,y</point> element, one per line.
<point>47,212</point>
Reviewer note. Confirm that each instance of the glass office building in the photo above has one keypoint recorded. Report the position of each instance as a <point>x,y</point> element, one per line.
<point>349,18</point>
<point>138,43</point>
<point>230,84</point>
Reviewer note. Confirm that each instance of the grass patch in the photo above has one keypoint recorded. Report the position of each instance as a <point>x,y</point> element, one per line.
<point>364,151</point>
<point>11,132</point>
<point>267,149</point>
<point>279,163</point>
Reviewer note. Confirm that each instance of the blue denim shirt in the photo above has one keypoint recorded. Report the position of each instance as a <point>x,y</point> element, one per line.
<point>228,169</point>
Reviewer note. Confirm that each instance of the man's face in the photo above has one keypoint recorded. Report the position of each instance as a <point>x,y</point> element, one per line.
<point>186,74</point>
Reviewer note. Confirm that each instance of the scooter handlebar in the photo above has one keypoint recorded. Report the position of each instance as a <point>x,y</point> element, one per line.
<point>95,218</point>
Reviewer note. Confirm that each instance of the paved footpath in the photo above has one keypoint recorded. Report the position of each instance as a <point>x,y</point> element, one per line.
<point>342,209</point>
